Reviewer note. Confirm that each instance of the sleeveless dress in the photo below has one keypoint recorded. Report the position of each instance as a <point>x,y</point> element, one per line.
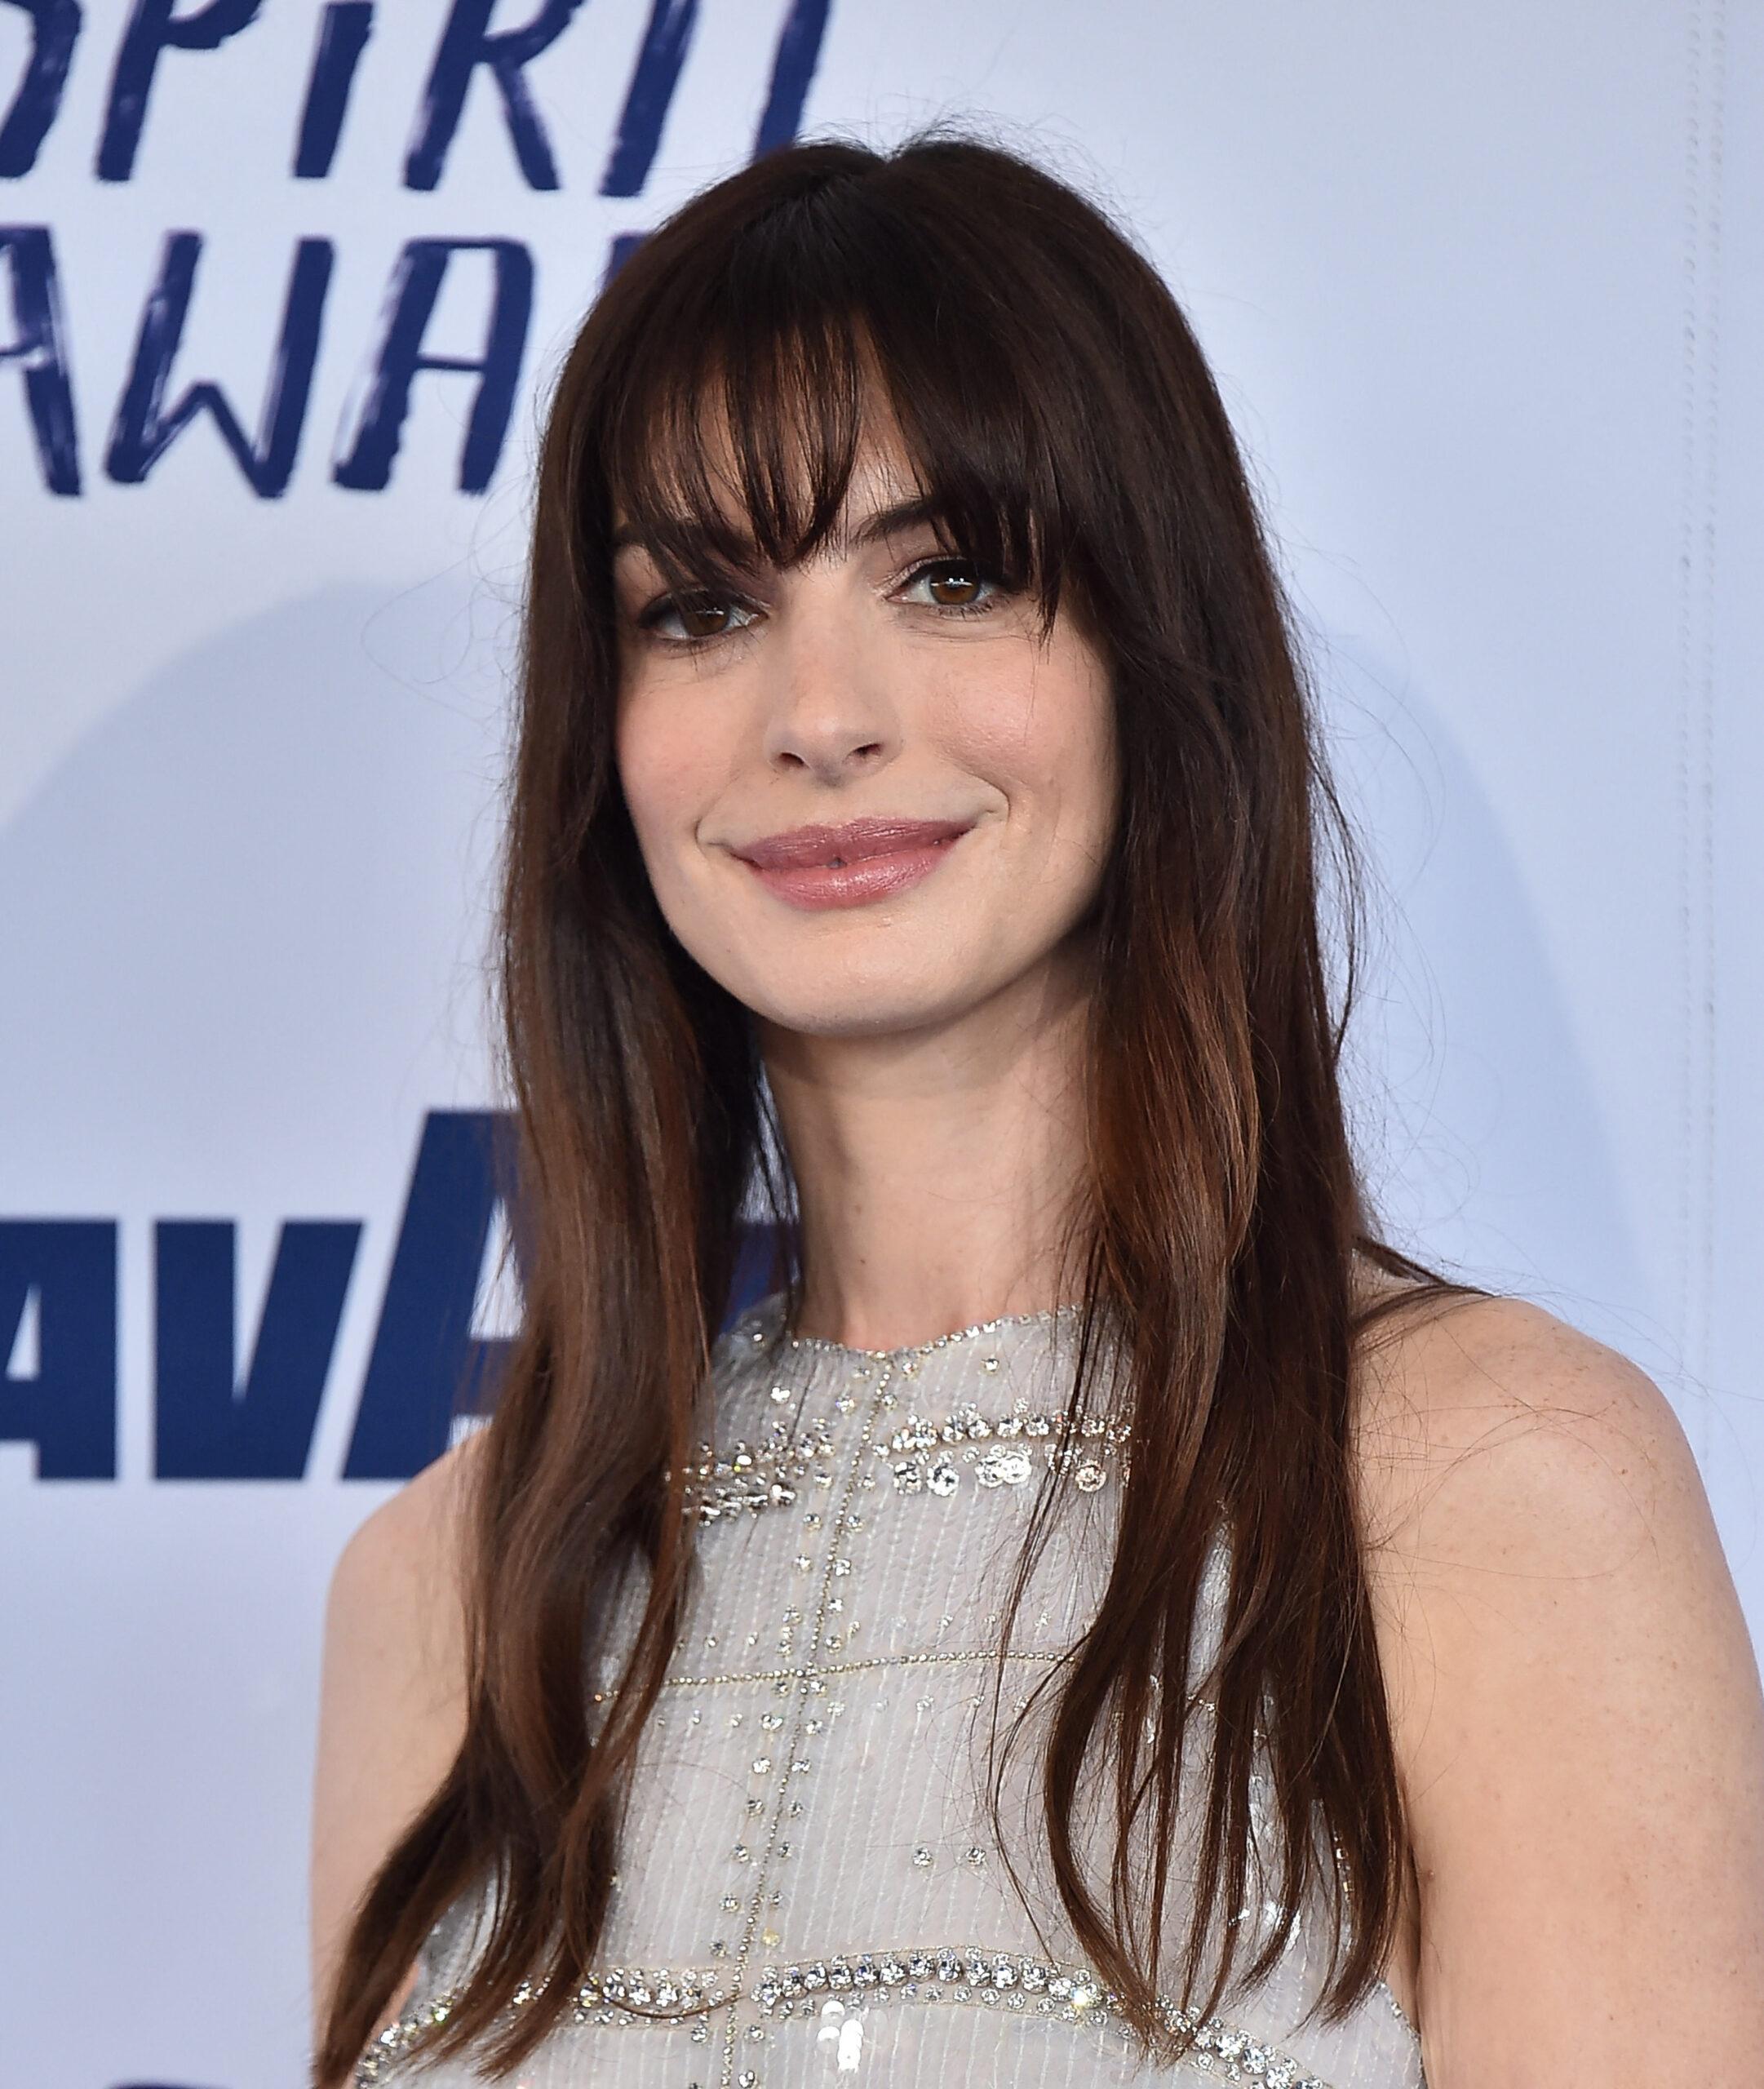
<point>807,1845</point>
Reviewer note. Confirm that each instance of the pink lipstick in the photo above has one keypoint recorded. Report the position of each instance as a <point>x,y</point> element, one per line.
<point>851,865</point>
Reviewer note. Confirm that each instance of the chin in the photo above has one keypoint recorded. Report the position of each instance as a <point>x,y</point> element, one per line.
<point>870,1008</point>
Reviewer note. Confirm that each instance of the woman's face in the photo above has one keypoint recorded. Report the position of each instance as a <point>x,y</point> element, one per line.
<point>880,681</point>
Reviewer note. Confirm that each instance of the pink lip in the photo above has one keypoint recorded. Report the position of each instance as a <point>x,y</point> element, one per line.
<point>879,857</point>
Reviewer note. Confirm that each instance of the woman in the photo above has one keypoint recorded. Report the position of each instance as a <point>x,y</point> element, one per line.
<point>1101,1610</point>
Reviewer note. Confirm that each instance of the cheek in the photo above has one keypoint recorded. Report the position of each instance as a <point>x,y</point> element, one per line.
<point>656,760</point>
<point>1088,756</point>
<point>1047,733</point>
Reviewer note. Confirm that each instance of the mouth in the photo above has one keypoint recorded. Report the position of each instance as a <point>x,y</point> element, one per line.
<point>856,841</point>
<point>817,868</point>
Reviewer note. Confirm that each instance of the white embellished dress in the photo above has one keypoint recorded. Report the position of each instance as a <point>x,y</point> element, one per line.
<point>808,1846</point>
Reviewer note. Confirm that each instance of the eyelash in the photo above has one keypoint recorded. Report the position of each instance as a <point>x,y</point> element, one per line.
<point>650,618</point>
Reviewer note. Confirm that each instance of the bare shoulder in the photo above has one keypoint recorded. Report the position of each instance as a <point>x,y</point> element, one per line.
<point>1575,1700</point>
<point>392,1698</point>
<point>1495,1441</point>
<point>1444,1381</point>
<point>410,1550</point>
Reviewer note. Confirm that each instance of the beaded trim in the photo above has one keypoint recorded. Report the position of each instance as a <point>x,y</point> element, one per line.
<point>756,1476</point>
<point>771,1473</point>
<point>1011,1981</point>
<point>784,1680</point>
<point>767,1312</point>
<point>1014,1444</point>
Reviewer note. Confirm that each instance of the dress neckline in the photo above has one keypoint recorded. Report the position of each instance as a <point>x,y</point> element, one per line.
<point>769,1311</point>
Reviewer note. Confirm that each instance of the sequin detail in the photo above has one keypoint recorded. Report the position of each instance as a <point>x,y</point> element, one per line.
<point>947,1974</point>
<point>1003,1450</point>
<point>768,1474</point>
<point>923,1456</point>
<point>767,1314</point>
<point>816,1645</point>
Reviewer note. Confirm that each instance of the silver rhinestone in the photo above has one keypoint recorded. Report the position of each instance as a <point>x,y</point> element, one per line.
<point>922,1855</point>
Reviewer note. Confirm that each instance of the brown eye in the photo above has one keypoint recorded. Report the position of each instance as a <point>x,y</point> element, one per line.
<point>701,618</point>
<point>957,584</point>
<point>962,580</point>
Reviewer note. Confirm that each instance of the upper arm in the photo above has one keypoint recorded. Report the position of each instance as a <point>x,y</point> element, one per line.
<point>1576,1708</point>
<point>391,1696</point>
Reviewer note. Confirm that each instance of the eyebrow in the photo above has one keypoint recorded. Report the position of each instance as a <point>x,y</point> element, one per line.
<point>881,522</point>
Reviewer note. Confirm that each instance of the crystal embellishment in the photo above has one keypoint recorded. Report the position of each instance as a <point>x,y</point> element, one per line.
<point>961,1974</point>
<point>925,1455</point>
<point>1002,1467</point>
<point>766,1474</point>
<point>809,1659</point>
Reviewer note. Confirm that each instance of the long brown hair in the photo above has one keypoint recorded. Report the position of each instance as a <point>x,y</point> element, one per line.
<point>1062,418</point>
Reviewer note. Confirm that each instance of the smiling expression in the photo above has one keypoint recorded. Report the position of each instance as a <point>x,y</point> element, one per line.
<point>960,767</point>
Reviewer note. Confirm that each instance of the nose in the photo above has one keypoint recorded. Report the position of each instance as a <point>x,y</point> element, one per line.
<point>831,710</point>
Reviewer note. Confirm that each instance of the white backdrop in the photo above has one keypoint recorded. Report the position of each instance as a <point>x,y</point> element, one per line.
<point>1483,287</point>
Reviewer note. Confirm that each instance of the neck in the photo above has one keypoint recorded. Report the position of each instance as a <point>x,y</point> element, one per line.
<point>936,1169</point>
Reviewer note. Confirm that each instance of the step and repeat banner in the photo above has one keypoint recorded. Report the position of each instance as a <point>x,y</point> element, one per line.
<point>282,289</point>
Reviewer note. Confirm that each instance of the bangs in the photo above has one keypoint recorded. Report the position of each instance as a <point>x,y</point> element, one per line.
<point>750,394</point>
